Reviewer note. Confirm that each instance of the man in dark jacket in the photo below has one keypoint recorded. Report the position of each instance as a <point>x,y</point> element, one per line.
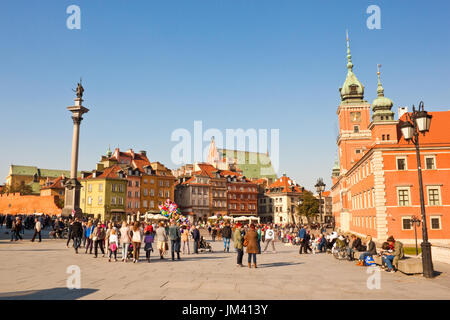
<point>196,236</point>
<point>76,234</point>
<point>304,243</point>
<point>226,235</point>
<point>175,239</point>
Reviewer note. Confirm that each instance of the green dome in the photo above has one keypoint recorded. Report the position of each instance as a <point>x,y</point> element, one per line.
<point>382,106</point>
<point>352,87</point>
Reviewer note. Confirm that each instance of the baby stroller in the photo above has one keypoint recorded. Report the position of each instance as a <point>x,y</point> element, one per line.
<point>204,246</point>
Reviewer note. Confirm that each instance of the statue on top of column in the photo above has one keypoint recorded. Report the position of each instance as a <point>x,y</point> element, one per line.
<point>79,90</point>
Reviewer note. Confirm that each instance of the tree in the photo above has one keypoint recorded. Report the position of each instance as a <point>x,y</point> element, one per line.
<point>309,207</point>
<point>22,188</point>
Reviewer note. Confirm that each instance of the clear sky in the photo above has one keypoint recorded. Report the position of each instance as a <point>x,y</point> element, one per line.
<point>150,67</point>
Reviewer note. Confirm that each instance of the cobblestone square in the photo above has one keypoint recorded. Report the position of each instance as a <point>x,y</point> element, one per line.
<point>38,271</point>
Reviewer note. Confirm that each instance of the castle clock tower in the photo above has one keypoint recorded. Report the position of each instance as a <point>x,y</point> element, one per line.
<point>354,119</point>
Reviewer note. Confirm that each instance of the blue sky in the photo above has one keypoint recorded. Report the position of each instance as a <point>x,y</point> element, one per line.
<point>150,67</point>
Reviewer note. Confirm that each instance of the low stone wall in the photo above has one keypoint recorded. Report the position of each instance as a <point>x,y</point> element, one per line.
<point>17,204</point>
<point>440,253</point>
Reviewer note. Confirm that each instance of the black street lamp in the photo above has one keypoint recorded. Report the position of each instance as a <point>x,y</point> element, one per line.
<point>320,187</point>
<point>415,122</point>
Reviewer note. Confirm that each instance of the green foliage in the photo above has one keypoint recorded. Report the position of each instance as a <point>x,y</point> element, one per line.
<point>309,208</point>
<point>22,189</point>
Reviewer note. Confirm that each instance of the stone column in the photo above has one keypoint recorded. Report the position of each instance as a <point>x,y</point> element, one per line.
<point>73,186</point>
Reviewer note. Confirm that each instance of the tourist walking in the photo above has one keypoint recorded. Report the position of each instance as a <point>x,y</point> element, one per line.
<point>304,242</point>
<point>185,239</point>
<point>251,241</point>
<point>69,231</point>
<point>269,238</point>
<point>77,233</point>
<point>113,244</point>
<point>161,240</point>
<point>99,239</point>
<point>238,239</point>
<point>89,234</point>
<point>226,235</point>
<point>37,230</point>
<point>136,239</point>
<point>175,238</point>
<point>148,240</point>
<point>195,237</point>
<point>259,232</point>
<point>125,239</point>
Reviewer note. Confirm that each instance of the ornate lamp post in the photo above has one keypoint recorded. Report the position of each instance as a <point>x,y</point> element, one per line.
<point>420,121</point>
<point>73,186</point>
<point>320,187</point>
<point>416,222</point>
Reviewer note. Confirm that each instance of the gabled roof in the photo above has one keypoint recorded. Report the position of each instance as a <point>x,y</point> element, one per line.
<point>107,173</point>
<point>286,185</point>
<point>56,184</point>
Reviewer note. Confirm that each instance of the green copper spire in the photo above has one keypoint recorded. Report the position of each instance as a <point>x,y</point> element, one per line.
<point>349,55</point>
<point>381,106</point>
<point>352,90</point>
<point>380,90</point>
<point>108,152</point>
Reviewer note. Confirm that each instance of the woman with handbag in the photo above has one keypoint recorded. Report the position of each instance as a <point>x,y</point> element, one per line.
<point>161,238</point>
<point>113,244</point>
<point>251,242</point>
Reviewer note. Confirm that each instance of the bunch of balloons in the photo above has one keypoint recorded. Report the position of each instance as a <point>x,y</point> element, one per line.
<point>170,210</point>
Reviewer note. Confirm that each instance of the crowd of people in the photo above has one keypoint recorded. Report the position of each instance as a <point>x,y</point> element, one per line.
<point>110,238</point>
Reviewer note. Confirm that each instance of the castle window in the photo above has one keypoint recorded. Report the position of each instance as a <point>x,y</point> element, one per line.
<point>429,162</point>
<point>401,163</point>
<point>355,129</point>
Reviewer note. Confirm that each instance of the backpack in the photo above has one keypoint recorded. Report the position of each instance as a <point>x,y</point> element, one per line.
<point>368,261</point>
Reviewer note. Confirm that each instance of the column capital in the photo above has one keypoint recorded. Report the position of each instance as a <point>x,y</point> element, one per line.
<point>77,119</point>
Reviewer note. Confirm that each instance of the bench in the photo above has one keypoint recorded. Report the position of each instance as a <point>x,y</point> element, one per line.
<point>407,265</point>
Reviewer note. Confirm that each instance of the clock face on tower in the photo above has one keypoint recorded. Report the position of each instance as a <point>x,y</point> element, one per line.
<point>355,116</point>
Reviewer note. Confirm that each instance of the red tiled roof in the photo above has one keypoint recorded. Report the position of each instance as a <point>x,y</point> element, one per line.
<point>110,173</point>
<point>56,184</point>
<point>326,193</point>
<point>287,187</point>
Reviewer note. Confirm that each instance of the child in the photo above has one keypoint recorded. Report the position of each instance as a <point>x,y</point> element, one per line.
<point>113,244</point>
<point>148,239</point>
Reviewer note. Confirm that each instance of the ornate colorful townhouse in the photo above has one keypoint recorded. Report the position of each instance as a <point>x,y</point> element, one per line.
<point>375,183</point>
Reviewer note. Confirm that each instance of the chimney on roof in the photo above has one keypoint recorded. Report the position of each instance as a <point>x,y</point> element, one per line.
<point>143,152</point>
<point>402,111</point>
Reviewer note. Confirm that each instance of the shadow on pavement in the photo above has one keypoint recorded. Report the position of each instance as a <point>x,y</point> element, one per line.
<point>279,264</point>
<point>47,294</point>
